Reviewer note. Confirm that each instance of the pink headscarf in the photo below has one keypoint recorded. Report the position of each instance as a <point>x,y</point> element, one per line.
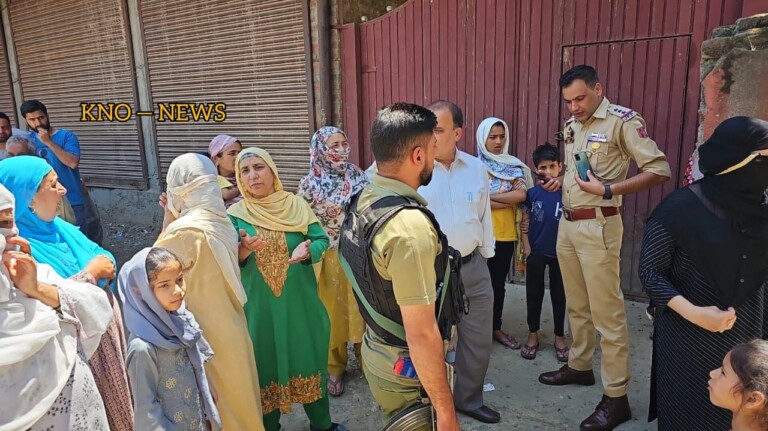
<point>220,143</point>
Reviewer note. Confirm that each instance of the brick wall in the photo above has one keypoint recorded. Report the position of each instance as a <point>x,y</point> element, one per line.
<point>734,82</point>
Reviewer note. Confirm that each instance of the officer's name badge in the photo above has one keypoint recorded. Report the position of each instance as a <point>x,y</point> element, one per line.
<point>597,137</point>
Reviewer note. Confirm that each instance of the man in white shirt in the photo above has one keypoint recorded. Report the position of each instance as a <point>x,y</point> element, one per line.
<point>458,196</point>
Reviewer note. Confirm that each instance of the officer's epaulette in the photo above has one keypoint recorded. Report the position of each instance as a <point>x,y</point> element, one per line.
<point>625,114</point>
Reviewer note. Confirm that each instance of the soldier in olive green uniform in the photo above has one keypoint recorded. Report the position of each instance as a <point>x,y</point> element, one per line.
<point>404,252</point>
<point>590,235</point>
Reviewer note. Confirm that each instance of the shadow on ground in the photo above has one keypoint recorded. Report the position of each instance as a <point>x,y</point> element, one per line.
<point>524,403</point>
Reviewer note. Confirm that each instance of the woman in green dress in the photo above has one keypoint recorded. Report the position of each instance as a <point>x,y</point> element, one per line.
<point>280,239</point>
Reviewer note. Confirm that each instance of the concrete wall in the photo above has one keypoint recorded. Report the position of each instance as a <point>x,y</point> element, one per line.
<point>734,74</point>
<point>131,207</point>
<point>334,116</point>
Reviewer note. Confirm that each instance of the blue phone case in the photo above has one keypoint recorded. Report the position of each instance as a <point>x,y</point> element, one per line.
<point>582,165</point>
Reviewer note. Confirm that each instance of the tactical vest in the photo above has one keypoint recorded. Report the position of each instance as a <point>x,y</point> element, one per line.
<point>355,247</point>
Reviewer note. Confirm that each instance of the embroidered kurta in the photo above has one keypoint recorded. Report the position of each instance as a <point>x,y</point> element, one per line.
<point>287,323</point>
<point>167,395</point>
<point>232,370</point>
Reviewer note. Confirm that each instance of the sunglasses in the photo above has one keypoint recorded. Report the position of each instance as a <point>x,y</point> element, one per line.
<point>755,155</point>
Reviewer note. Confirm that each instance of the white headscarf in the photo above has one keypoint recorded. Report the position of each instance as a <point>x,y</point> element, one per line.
<point>194,197</point>
<point>38,348</point>
<point>503,166</point>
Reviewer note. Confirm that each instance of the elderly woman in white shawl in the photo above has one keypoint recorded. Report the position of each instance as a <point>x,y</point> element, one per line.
<point>49,327</point>
<point>509,179</point>
<point>197,230</point>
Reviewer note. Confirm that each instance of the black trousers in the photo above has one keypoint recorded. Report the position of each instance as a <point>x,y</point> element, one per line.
<point>499,266</point>
<point>534,292</point>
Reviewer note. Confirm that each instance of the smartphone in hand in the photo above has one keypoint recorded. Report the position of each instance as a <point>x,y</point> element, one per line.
<point>541,177</point>
<point>582,164</point>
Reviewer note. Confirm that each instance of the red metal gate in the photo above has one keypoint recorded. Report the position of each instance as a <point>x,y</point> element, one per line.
<point>503,58</point>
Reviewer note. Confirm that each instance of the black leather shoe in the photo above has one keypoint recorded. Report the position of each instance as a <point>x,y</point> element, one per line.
<point>483,414</point>
<point>568,376</point>
<point>610,413</point>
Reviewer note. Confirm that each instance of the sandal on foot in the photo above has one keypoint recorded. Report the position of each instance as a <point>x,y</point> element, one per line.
<point>507,340</point>
<point>529,352</point>
<point>335,385</point>
<point>562,354</point>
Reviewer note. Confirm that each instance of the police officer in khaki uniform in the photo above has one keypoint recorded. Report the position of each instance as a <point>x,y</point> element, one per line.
<point>403,253</point>
<point>590,234</point>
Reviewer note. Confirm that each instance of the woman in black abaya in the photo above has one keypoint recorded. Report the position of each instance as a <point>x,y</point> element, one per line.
<point>704,264</point>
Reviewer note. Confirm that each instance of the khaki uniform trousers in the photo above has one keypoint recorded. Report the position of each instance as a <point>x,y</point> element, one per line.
<point>589,255</point>
<point>392,393</point>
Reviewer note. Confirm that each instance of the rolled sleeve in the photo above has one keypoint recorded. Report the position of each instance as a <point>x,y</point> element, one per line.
<point>404,252</point>
<point>643,150</point>
<point>656,264</point>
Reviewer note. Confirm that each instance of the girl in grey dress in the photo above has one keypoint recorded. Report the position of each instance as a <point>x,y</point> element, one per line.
<point>166,351</point>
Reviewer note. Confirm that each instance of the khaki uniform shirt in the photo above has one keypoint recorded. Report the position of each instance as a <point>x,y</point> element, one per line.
<point>611,137</point>
<point>405,248</point>
<point>404,252</point>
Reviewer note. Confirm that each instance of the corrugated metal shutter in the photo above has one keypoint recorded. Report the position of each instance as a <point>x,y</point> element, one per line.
<point>73,51</point>
<point>6,89</point>
<point>247,54</point>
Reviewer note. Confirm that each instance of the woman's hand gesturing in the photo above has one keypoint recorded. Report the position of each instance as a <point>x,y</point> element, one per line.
<point>300,253</point>
<point>252,243</point>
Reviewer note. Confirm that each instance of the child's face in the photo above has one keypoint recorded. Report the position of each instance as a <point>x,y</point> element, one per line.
<point>496,140</point>
<point>225,160</point>
<point>723,385</point>
<point>549,168</point>
<point>168,286</point>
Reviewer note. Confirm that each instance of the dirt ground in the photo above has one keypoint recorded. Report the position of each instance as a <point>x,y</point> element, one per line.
<point>523,402</point>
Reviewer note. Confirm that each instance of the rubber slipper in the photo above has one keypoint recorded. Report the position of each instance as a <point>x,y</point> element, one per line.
<point>562,354</point>
<point>335,385</point>
<point>507,340</point>
<point>529,352</point>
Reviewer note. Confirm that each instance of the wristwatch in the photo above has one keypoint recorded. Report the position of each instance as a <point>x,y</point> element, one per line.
<point>608,195</point>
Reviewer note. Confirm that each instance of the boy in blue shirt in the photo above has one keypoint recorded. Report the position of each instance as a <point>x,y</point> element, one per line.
<point>542,210</point>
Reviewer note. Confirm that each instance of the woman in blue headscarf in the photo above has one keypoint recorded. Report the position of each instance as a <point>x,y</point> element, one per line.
<point>61,245</point>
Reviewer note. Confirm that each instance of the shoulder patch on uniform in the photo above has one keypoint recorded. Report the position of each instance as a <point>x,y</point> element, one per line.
<point>625,114</point>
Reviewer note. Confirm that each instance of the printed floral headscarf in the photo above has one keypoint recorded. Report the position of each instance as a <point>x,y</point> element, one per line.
<point>331,182</point>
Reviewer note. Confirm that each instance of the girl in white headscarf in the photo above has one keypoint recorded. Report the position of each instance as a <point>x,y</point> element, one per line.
<point>197,231</point>
<point>49,326</point>
<point>509,179</point>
